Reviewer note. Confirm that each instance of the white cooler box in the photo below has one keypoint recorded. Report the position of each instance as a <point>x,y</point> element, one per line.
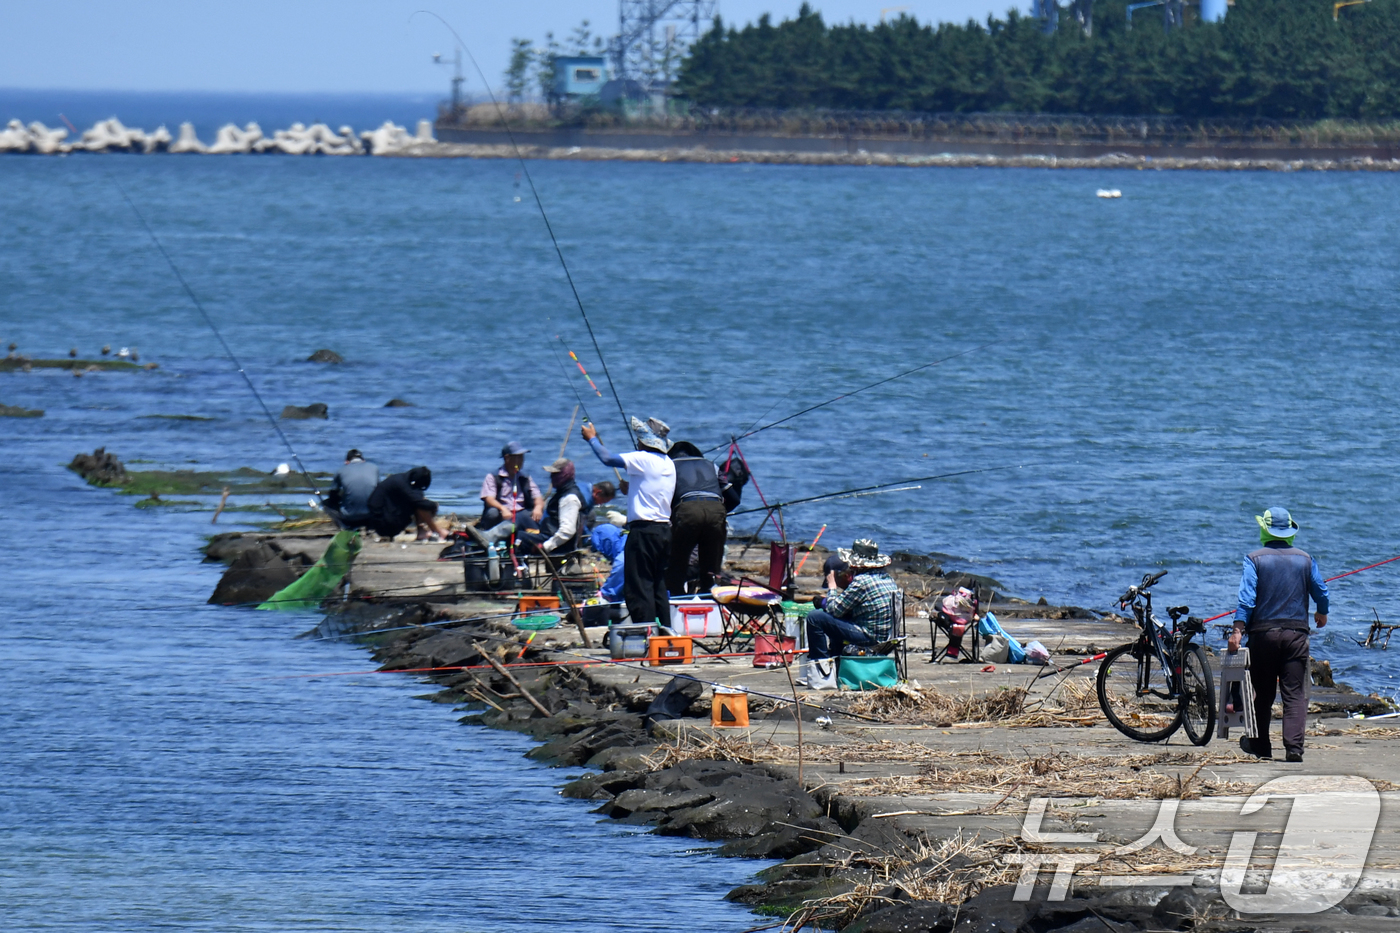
<point>696,616</point>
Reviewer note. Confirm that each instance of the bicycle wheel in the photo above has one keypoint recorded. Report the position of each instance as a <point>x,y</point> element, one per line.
<point>1134,694</point>
<point>1197,695</point>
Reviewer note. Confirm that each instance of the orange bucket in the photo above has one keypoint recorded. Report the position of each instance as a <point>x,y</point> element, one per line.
<point>531,603</point>
<point>730,710</point>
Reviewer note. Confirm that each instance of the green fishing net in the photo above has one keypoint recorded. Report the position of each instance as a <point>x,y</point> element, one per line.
<point>322,578</point>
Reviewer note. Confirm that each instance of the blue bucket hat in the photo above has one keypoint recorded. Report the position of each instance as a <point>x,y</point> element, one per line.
<point>1277,523</point>
<point>651,434</point>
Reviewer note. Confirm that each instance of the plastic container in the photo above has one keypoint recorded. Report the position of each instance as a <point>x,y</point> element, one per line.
<point>730,709</point>
<point>696,616</point>
<point>628,641</point>
<point>537,623</point>
<point>770,651</point>
<point>670,649</point>
<point>531,603</point>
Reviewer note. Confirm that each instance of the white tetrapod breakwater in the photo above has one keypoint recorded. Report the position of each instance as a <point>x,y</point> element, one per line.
<point>317,139</point>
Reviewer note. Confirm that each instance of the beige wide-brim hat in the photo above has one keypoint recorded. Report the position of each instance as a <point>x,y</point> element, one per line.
<point>863,554</point>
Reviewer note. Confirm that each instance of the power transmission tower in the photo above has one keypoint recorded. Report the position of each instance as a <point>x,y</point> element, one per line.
<point>653,36</point>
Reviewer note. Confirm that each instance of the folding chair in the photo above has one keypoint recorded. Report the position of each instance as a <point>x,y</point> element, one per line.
<point>961,646</point>
<point>899,634</point>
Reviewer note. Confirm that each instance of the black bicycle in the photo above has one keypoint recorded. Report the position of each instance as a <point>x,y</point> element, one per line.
<point>1151,687</point>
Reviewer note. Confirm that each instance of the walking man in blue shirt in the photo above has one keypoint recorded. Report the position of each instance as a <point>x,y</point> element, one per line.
<point>1273,608</point>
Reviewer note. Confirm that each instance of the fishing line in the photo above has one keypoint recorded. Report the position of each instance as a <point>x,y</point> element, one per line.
<point>881,486</point>
<point>228,351</point>
<point>830,401</point>
<point>544,215</point>
<point>1379,563</point>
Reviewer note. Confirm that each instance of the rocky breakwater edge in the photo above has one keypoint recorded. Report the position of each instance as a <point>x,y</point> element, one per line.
<point>897,810</point>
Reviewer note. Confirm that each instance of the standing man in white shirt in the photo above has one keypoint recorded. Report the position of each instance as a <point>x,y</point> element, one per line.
<point>652,482</point>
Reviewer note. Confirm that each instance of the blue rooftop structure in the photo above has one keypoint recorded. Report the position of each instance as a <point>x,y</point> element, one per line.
<point>579,75</point>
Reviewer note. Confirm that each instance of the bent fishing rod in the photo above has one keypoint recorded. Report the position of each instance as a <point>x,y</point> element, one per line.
<point>880,487</point>
<point>845,395</point>
<point>544,215</point>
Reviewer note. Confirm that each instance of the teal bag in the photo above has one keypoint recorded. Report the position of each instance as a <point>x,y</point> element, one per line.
<point>868,673</point>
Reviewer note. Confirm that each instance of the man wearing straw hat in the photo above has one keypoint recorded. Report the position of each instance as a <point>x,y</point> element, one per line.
<point>1273,608</point>
<point>862,614</point>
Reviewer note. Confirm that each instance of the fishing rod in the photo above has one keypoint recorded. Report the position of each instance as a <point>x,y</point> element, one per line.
<point>228,351</point>
<point>585,660</point>
<point>564,371</point>
<point>845,395</point>
<point>1379,563</point>
<point>567,378</point>
<point>865,490</point>
<point>544,215</point>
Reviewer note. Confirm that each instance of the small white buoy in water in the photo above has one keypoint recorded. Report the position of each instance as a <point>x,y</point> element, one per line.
<point>123,353</point>
<point>1109,193</point>
<point>517,199</point>
<point>282,470</point>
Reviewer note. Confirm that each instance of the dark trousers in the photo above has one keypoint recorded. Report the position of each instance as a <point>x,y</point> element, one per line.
<point>1278,663</point>
<point>827,635</point>
<point>697,522</point>
<point>647,550</point>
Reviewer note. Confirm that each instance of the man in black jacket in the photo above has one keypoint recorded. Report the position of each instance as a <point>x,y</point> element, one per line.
<point>697,518</point>
<point>398,502</point>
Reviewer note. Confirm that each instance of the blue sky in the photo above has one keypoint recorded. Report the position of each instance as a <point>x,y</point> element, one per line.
<point>299,46</point>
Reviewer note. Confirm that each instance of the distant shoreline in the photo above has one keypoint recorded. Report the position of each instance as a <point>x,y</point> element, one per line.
<point>1118,160</point>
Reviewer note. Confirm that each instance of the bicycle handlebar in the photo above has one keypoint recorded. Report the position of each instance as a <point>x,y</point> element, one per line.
<point>1148,580</point>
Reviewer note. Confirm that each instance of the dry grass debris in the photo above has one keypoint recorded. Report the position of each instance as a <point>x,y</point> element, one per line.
<point>1073,704</point>
<point>1159,775</point>
<point>956,869</point>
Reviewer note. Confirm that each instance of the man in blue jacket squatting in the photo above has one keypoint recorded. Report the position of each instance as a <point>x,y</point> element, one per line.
<point>1274,589</point>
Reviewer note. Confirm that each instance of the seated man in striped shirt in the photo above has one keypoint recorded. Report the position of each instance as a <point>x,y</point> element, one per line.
<point>862,614</point>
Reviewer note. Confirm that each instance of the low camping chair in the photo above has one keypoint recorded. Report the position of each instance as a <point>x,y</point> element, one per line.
<point>899,637</point>
<point>960,646</point>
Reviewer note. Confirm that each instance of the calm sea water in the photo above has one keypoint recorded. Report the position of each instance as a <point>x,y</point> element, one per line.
<point>1162,367</point>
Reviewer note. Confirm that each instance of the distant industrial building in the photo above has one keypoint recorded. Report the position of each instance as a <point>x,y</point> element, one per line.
<point>577,76</point>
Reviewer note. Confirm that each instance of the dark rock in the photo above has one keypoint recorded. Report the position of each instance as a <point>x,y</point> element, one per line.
<point>305,412</point>
<point>785,896</point>
<point>398,403</point>
<point>1185,905</point>
<point>603,786</point>
<point>255,575</point>
<point>99,468</point>
<point>922,564</point>
<point>325,356</point>
<point>225,548</point>
<point>1322,674</point>
<point>993,911</point>
<point>744,806</point>
<point>643,799</point>
<point>14,411</point>
<point>440,649</point>
<point>913,917</point>
<point>780,840</point>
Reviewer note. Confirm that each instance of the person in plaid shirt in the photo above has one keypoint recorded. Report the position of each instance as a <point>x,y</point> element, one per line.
<point>862,614</point>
